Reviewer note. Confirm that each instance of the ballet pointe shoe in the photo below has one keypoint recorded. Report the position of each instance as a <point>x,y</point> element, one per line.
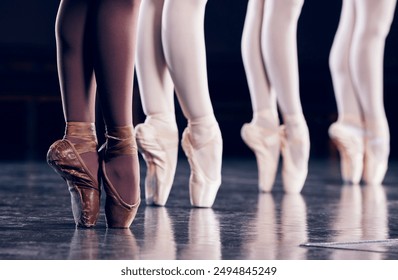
<point>160,151</point>
<point>295,147</point>
<point>118,213</point>
<point>266,145</point>
<point>377,150</point>
<point>202,189</point>
<point>84,187</point>
<point>349,140</point>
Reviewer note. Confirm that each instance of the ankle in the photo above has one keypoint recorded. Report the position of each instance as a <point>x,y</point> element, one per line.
<point>351,121</point>
<point>120,141</point>
<point>267,119</point>
<point>82,135</point>
<point>296,127</point>
<point>377,129</point>
<point>203,130</point>
<point>164,122</point>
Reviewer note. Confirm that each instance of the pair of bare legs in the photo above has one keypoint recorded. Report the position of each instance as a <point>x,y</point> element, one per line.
<point>356,63</point>
<point>95,48</point>
<point>270,59</point>
<point>171,56</point>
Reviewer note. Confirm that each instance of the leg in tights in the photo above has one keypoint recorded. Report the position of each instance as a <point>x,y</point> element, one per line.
<point>185,54</point>
<point>156,86</point>
<point>262,96</point>
<point>349,109</point>
<point>262,133</point>
<point>115,31</point>
<point>280,57</point>
<point>373,23</point>
<point>157,138</point>
<point>97,36</point>
<point>372,26</point>
<point>278,41</point>
<point>356,62</point>
<point>75,69</point>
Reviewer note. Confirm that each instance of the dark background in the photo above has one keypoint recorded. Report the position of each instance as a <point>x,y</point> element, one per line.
<point>30,108</point>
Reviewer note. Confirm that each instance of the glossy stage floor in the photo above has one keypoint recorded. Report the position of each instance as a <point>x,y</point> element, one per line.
<point>327,221</point>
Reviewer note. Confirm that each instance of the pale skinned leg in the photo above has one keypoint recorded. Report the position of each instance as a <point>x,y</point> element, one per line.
<point>262,134</point>
<point>157,138</point>
<point>348,132</point>
<point>281,61</point>
<point>185,53</point>
<point>374,19</point>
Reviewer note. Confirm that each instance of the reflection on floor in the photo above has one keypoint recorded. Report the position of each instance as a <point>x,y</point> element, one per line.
<point>327,221</point>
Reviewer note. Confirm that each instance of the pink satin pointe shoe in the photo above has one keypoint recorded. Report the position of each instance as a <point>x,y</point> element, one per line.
<point>295,146</point>
<point>203,189</point>
<point>160,151</point>
<point>266,145</point>
<point>118,213</point>
<point>84,187</point>
<point>377,150</point>
<point>349,140</point>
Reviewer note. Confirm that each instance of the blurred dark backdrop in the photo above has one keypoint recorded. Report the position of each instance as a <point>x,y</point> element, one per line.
<point>30,109</point>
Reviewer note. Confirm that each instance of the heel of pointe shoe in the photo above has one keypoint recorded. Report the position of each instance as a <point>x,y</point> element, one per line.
<point>84,189</point>
<point>118,213</point>
<point>349,141</point>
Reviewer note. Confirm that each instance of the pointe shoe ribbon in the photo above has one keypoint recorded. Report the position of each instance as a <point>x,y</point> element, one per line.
<point>118,213</point>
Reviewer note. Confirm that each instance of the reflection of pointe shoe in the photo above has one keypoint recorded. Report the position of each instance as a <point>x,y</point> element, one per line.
<point>295,152</point>
<point>120,244</point>
<point>159,150</point>
<point>375,213</point>
<point>159,242</point>
<point>204,236</point>
<point>84,187</point>
<point>349,140</point>
<point>377,151</point>
<point>119,214</point>
<point>203,190</point>
<point>262,239</point>
<point>265,144</point>
<point>84,245</point>
<point>293,227</point>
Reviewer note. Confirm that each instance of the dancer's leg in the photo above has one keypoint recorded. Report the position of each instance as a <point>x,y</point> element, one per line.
<point>374,19</point>
<point>75,157</point>
<point>279,45</point>
<point>156,86</point>
<point>75,70</point>
<point>185,51</point>
<point>347,132</point>
<point>373,24</point>
<point>280,52</point>
<point>184,47</point>
<point>349,111</point>
<point>157,138</point>
<point>262,134</point>
<point>262,97</point>
<point>75,62</point>
<point>115,33</point>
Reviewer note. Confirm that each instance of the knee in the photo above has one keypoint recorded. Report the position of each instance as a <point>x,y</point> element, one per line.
<point>375,28</point>
<point>288,9</point>
<point>377,18</point>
